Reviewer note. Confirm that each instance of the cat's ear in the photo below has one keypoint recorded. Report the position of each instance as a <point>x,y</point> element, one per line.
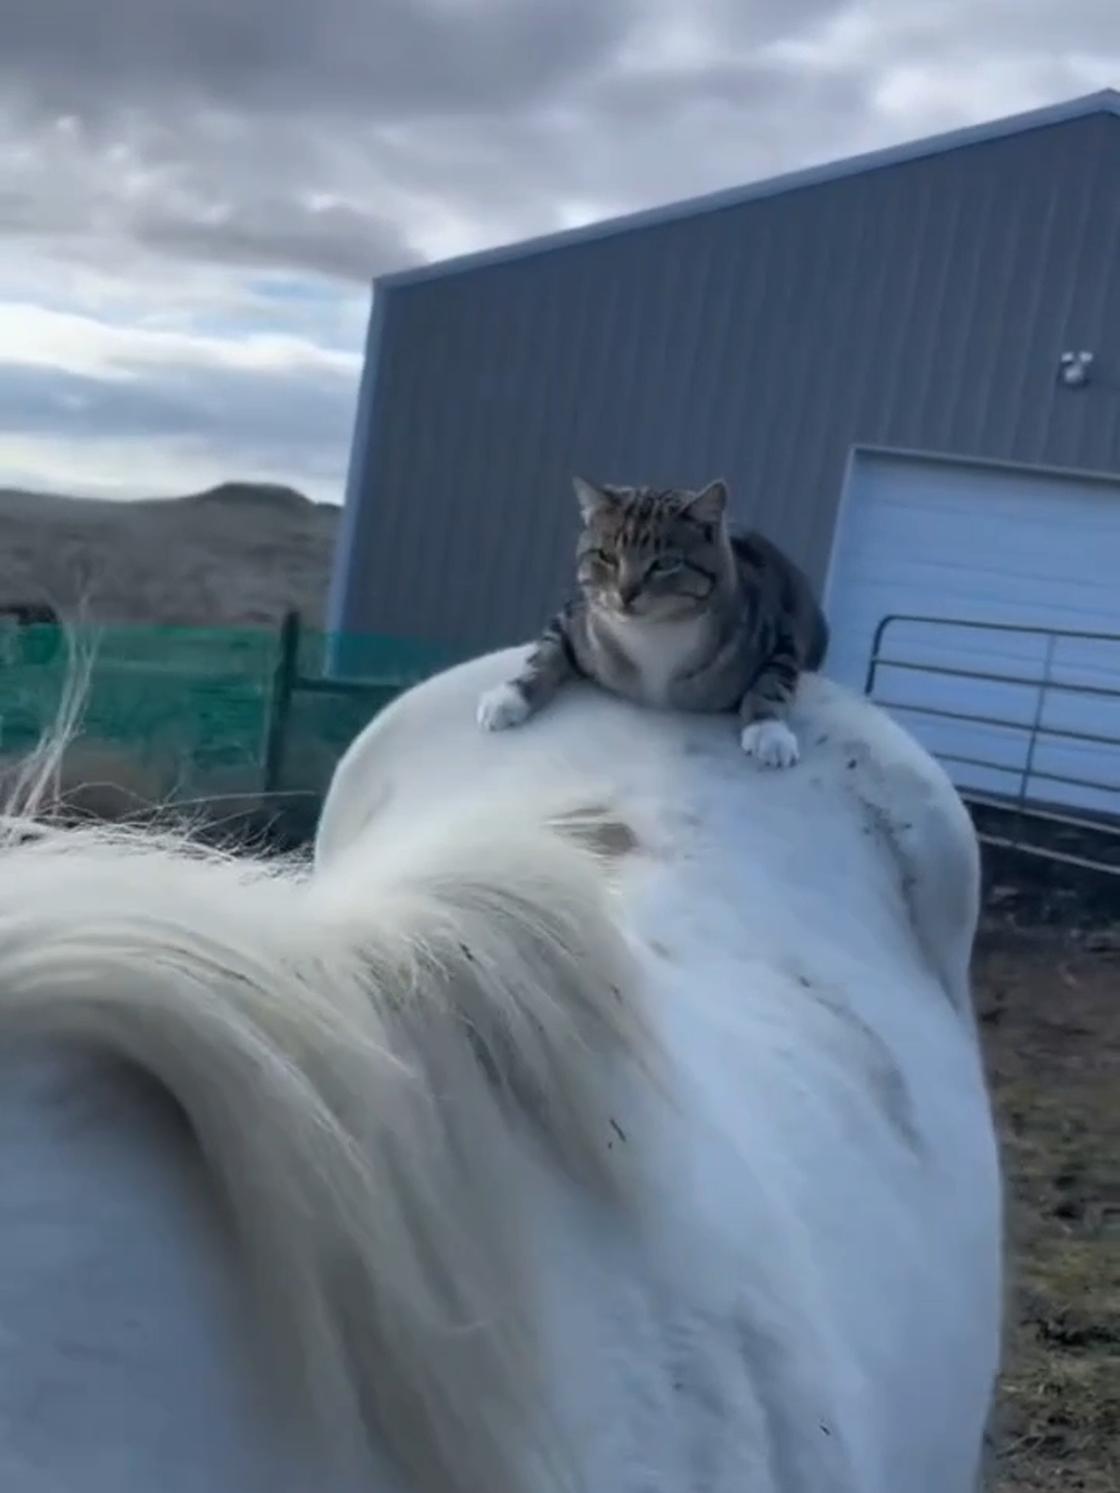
<point>591,497</point>
<point>708,504</point>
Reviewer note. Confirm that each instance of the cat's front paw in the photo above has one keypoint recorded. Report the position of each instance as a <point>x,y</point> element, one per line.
<point>502,707</point>
<point>770,743</point>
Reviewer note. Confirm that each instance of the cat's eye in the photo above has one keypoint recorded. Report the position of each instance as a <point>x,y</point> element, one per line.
<point>664,566</point>
<point>609,562</point>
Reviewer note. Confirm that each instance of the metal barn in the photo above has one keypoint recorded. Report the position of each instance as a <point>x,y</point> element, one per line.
<point>907,366</point>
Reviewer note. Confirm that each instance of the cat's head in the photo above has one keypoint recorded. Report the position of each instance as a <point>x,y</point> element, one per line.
<point>648,552</point>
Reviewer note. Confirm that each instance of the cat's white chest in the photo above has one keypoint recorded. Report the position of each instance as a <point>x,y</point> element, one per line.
<point>661,652</point>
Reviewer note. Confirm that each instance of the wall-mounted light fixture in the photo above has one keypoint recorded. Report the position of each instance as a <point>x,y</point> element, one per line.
<point>1073,369</point>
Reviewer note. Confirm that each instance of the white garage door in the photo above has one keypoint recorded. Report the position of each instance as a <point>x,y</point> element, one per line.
<point>981,545</point>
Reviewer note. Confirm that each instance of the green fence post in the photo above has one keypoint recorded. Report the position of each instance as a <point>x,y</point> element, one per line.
<point>280,701</point>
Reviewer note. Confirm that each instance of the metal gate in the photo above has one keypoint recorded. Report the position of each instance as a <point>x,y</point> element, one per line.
<point>1027,818</point>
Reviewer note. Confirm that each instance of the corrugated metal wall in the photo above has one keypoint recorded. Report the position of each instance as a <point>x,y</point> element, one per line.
<point>920,306</point>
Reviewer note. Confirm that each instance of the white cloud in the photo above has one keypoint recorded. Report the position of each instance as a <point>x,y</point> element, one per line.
<point>38,337</point>
<point>108,467</point>
<point>128,409</point>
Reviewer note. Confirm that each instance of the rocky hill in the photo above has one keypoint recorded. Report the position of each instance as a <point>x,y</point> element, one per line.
<point>238,555</point>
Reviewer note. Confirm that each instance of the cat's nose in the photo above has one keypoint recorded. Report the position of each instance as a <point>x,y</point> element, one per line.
<point>627,591</point>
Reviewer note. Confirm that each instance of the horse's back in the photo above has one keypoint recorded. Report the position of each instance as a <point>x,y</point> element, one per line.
<point>823,1193</point>
<point>794,1285</point>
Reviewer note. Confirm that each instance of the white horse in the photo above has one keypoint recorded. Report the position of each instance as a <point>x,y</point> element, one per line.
<point>601,1113</point>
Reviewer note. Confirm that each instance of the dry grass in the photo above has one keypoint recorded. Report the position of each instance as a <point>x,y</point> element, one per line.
<point>111,784</point>
<point>241,555</point>
<point>1050,1010</point>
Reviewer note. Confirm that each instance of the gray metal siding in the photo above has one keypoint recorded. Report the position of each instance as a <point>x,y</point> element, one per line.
<point>920,306</point>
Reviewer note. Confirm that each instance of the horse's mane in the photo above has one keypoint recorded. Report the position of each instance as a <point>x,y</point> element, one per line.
<point>362,1053</point>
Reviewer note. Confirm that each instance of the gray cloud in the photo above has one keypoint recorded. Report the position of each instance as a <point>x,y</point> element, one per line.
<point>291,425</point>
<point>274,231</point>
<point>159,157</point>
<point>303,410</point>
<point>341,138</point>
<point>378,58</point>
<point>183,185</point>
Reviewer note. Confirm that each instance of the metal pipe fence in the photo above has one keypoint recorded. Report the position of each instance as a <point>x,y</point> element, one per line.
<point>1035,816</point>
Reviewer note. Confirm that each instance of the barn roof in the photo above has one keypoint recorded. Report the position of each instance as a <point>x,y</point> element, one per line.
<point>1107,101</point>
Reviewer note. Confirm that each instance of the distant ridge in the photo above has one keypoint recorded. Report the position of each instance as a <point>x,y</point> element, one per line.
<point>251,495</point>
<point>238,554</point>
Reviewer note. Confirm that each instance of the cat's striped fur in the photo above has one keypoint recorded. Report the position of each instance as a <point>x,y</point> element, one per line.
<point>675,610</point>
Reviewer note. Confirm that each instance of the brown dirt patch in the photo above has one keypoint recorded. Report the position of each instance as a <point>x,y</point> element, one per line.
<point>1049,1003</point>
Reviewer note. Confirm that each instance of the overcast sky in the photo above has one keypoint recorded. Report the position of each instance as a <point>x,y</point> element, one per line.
<point>194,194</point>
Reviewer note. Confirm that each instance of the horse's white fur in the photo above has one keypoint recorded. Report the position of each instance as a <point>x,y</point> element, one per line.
<point>350,1054</point>
<point>831,1185</point>
<point>622,1236</point>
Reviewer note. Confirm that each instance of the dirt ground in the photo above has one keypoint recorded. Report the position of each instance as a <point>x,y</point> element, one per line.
<point>1049,1004</point>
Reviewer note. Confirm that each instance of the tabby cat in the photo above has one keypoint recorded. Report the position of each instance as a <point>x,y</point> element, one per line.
<point>675,610</point>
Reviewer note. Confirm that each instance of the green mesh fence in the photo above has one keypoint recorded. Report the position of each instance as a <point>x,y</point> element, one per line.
<point>200,716</point>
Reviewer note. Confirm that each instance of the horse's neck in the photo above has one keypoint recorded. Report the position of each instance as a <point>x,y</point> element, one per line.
<point>124,1354</point>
